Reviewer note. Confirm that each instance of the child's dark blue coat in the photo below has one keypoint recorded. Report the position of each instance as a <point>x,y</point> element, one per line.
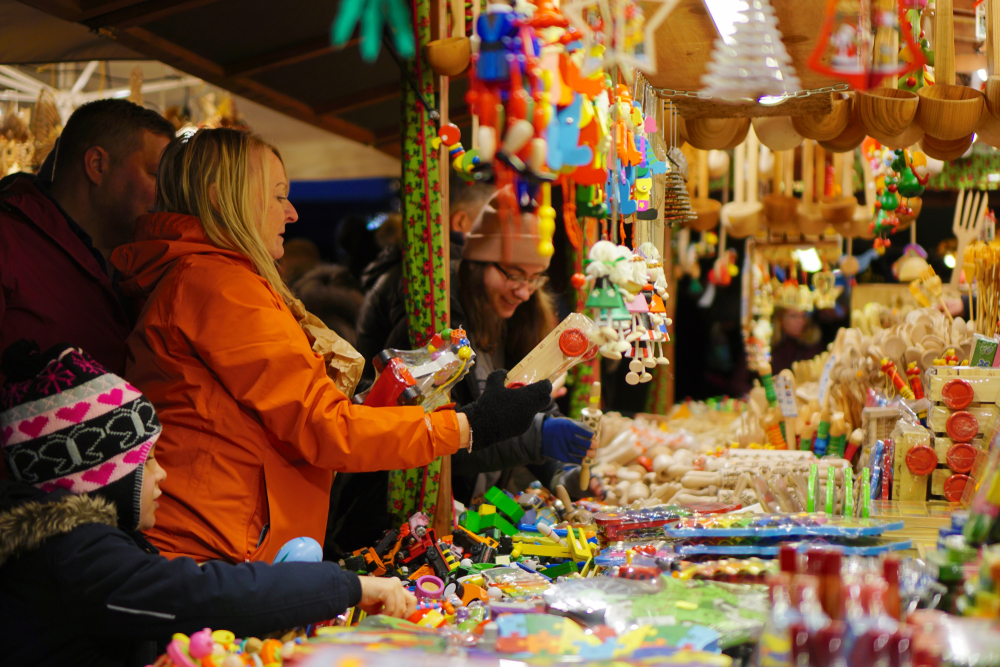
<point>76,590</point>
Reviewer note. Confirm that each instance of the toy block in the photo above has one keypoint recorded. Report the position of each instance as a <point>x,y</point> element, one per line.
<point>497,521</point>
<point>471,521</point>
<point>485,510</point>
<point>505,505</point>
<point>560,570</point>
<point>553,551</point>
<point>490,532</point>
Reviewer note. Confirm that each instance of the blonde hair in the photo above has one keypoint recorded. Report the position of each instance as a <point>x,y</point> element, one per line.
<point>236,163</point>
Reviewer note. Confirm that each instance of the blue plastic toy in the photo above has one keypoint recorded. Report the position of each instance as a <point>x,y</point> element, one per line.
<point>300,550</point>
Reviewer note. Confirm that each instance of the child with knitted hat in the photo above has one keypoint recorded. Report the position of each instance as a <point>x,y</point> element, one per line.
<point>79,584</point>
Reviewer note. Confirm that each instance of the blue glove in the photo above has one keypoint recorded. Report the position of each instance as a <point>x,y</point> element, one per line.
<point>565,440</point>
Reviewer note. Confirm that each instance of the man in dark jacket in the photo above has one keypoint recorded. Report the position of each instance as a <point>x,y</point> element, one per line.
<point>383,314</point>
<point>56,284</point>
<point>79,584</point>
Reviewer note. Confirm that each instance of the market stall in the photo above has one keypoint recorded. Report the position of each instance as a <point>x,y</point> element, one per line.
<point>844,511</point>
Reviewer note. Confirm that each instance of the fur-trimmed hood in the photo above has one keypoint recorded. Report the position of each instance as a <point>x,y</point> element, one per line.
<point>28,519</point>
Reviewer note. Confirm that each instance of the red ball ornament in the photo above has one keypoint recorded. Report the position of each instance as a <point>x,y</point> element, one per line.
<point>911,81</point>
<point>891,187</point>
<point>578,280</point>
<point>886,243</point>
<point>449,134</point>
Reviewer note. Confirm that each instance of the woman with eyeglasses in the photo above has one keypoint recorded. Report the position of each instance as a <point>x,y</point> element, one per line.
<point>498,296</point>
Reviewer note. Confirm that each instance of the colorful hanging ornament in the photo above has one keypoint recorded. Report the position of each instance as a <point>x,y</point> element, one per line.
<point>617,32</point>
<point>920,76</point>
<point>541,119</point>
<point>847,51</point>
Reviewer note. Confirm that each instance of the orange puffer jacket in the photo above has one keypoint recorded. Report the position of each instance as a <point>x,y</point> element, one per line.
<point>252,427</point>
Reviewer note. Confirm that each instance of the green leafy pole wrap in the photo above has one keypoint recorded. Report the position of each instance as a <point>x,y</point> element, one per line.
<point>424,267</point>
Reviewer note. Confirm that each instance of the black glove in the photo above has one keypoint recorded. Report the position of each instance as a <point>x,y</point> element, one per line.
<point>501,413</point>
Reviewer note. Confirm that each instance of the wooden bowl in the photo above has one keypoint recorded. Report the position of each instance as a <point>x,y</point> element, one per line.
<point>908,137</point>
<point>781,212</point>
<point>852,135</point>
<point>916,204</point>
<point>993,94</point>
<point>742,219</point>
<point>830,126</point>
<point>449,56</point>
<point>988,129</point>
<point>945,150</point>
<point>810,220</point>
<point>777,132</point>
<point>887,111</point>
<point>739,137</point>
<point>949,112</point>
<point>716,133</point>
<point>838,210</point>
<point>707,211</point>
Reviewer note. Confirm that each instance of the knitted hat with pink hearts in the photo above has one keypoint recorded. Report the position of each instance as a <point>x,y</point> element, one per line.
<point>67,423</point>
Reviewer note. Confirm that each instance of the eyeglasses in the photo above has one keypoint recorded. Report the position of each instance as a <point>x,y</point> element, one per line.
<point>517,279</point>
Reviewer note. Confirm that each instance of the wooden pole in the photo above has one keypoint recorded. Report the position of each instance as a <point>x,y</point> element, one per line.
<point>819,157</point>
<point>425,264</point>
<point>808,178</point>
<point>739,173</point>
<point>944,42</point>
<point>790,173</point>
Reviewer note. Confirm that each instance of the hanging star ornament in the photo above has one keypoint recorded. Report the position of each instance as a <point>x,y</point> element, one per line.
<point>621,28</point>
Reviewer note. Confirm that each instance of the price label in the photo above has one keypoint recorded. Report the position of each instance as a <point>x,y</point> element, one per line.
<point>784,387</point>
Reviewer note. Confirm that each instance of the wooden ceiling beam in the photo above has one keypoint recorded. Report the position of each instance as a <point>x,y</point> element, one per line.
<point>141,13</point>
<point>143,41</point>
<point>360,100</point>
<point>290,55</point>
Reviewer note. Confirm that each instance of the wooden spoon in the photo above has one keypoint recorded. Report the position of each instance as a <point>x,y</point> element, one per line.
<point>958,329</point>
<point>932,342</point>
<point>895,347</point>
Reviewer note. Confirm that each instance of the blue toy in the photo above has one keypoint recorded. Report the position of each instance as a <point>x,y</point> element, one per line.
<point>300,550</point>
<point>564,138</point>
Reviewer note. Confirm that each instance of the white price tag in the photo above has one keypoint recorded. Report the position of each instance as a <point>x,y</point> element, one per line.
<point>824,379</point>
<point>785,390</point>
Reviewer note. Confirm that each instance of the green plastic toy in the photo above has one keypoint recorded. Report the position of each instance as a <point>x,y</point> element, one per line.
<point>504,504</point>
<point>831,490</point>
<point>471,521</point>
<point>848,492</point>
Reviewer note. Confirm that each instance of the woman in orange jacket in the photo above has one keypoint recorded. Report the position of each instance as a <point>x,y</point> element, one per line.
<point>253,428</point>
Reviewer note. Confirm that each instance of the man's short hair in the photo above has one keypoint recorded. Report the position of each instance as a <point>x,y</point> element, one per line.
<point>469,197</point>
<point>115,125</point>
